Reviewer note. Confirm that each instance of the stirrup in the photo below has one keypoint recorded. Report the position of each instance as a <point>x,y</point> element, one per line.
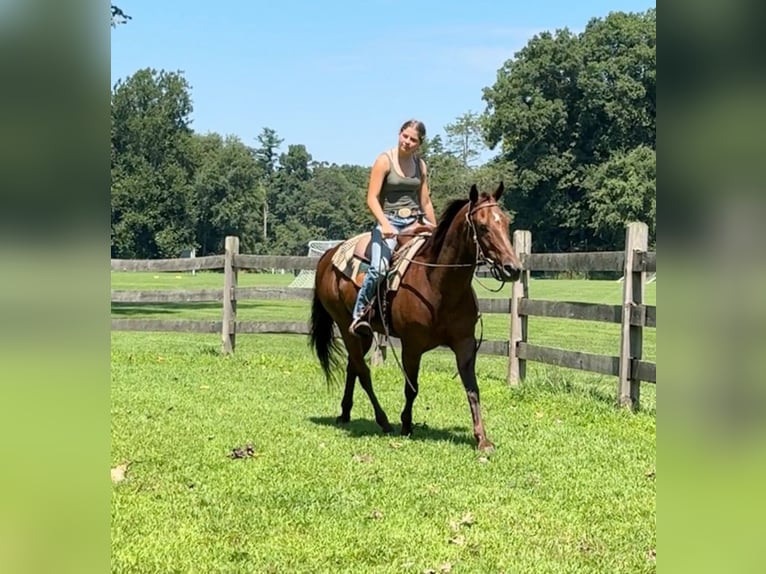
<point>358,325</point>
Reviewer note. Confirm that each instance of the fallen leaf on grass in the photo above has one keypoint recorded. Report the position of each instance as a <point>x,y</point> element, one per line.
<point>376,514</point>
<point>457,540</point>
<point>362,458</point>
<point>483,460</point>
<point>247,451</point>
<point>467,520</point>
<point>395,444</point>
<point>539,415</point>
<point>445,568</point>
<point>651,473</point>
<point>652,554</point>
<point>119,472</point>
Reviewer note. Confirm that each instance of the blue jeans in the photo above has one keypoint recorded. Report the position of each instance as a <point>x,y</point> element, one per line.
<point>380,258</point>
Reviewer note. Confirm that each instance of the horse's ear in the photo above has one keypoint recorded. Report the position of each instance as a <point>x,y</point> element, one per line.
<point>474,194</point>
<point>499,191</point>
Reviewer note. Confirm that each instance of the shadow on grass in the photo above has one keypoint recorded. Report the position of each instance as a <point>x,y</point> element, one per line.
<point>367,427</point>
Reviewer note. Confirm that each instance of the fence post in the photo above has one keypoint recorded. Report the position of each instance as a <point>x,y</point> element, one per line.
<point>631,340</point>
<point>229,323</point>
<point>517,368</point>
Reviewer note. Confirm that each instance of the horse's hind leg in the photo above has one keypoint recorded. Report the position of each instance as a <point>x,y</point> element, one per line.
<point>348,395</point>
<point>351,375</point>
<point>357,347</point>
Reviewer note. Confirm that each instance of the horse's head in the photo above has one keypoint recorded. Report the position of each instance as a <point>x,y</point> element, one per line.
<point>491,232</point>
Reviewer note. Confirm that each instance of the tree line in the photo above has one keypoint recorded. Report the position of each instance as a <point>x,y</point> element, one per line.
<point>571,119</point>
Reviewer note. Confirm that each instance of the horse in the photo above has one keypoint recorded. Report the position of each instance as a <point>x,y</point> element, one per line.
<point>435,305</point>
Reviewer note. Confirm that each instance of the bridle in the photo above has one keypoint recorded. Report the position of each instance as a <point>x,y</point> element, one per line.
<point>481,257</point>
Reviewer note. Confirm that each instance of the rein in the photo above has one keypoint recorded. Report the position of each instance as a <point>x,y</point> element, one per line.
<point>481,257</point>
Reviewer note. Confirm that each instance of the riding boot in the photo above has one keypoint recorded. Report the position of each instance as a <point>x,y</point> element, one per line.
<point>363,307</point>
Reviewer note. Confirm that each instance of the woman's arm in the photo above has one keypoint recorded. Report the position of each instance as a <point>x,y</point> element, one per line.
<point>425,195</point>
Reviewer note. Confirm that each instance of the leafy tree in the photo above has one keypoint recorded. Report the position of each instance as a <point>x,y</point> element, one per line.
<point>357,179</point>
<point>267,156</point>
<point>528,113</point>
<point>287,198</point>
<point>227,192</point>
<point>563,106</point>
<point>332,203</point>
<point>464,138</point>
<point>618,84</point>
<point>118,16</point>
<point>152,166</point>
<point>621,190</point>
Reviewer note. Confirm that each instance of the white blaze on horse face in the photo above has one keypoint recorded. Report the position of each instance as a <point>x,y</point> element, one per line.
<point>497,217</point>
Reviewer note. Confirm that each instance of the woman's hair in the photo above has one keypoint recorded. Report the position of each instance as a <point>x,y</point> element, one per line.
<point>418,125</point>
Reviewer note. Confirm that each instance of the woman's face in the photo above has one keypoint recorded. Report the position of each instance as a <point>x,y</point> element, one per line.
<point>409,140</point>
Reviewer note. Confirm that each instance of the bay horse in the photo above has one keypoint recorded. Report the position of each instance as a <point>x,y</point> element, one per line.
<point>434,305</point>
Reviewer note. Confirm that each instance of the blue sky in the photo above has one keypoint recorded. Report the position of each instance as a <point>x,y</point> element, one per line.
<point>339,77</point>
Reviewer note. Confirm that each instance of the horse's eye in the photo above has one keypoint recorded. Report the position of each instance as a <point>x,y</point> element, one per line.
<point>483,228</point>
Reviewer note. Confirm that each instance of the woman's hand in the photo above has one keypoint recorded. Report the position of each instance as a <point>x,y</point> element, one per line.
<point>387,230</point>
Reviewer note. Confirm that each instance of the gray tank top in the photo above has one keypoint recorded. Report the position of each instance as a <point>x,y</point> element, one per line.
<point>399,191</point>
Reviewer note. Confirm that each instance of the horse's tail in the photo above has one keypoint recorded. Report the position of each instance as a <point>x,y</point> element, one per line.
<point>321,335</point>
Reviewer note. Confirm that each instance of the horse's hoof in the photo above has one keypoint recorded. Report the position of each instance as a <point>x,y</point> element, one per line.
<point>486,447</point>
<point>342,420</point>
<point>406,431</point>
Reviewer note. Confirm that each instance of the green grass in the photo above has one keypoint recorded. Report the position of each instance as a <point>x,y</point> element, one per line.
<point>570,489</point>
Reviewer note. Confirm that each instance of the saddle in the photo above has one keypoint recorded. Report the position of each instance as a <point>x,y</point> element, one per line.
<point>353,255</point>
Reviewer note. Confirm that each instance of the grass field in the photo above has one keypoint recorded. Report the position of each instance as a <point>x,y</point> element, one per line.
<point>571,487</point>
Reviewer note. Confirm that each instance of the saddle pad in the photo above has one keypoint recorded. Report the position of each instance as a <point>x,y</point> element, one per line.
<point>345,262</point>
<point>401,258</point>
<point>355,269</point>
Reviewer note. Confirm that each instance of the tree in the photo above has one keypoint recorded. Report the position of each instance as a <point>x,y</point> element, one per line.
<point>287,199</point>
<point>118,16</point>
<point>618,79</point>
<point>562,107</point>
<point>152,166</point>
<point>332,203</point>
<point>528,113</point>
<point>621,190</point>
<point>464,138</point>
<point>227,194</point>
<point>267,156</point>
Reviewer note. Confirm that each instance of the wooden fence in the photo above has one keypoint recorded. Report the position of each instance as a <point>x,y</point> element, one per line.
<point>633,314</point>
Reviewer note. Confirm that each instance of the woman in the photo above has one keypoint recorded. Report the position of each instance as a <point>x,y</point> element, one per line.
<point>397,196</point>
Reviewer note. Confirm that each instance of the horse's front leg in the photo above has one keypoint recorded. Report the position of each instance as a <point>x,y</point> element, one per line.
<point>465,353</point>
<point>411,365</point>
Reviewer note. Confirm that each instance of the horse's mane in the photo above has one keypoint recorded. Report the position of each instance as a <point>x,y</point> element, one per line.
<point>435,242</point>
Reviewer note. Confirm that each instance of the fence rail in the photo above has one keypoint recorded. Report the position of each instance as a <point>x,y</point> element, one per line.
<point>633,315</point>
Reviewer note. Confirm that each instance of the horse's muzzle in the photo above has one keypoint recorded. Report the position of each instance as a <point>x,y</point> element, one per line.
<point>510,272</point>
